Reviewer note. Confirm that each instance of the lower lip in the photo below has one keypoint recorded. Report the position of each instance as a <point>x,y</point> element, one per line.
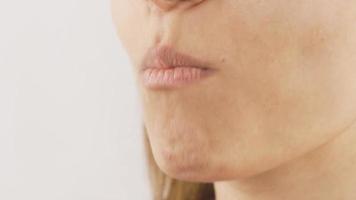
<point>173,77</point>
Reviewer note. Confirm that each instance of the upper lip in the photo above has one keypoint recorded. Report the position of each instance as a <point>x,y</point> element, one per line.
<point>167,57</point>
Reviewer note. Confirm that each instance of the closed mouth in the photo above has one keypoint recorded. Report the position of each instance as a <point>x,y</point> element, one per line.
<point>164,68</point>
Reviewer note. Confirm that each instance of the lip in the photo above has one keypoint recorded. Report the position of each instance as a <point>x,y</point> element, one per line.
<point>165,68</point>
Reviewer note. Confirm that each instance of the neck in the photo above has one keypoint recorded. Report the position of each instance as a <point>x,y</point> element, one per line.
<point>326,173</point>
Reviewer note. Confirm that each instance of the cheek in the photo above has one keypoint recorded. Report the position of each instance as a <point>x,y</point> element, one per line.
<point>279,58</point>
<point>293,79</point>
<point>121,12</point>
<point>131,26</point>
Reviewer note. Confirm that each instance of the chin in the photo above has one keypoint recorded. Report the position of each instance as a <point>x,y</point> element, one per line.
<point>183,162</point>
<point>189,154</point>
<point>205,164</point>
<point>199,166</point>
<point>186,171</point>
<point>205,171</point>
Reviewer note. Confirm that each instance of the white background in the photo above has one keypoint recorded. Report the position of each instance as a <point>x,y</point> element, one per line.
<point>70,124</point>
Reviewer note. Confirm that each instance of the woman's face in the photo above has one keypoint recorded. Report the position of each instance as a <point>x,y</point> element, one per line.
<point>285,81</point>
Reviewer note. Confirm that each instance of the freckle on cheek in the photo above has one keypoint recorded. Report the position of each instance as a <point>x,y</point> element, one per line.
<point>223,60</point>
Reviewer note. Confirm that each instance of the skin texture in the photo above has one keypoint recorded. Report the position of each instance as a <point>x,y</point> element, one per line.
<point>277,118</point>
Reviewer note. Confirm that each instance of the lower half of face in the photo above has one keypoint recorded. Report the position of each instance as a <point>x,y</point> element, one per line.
<point>284,85</point>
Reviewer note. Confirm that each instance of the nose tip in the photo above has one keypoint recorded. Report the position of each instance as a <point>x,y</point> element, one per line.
<point>167,5</point>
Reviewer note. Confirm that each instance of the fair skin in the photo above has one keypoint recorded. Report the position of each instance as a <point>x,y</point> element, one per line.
<point>277,119</point>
